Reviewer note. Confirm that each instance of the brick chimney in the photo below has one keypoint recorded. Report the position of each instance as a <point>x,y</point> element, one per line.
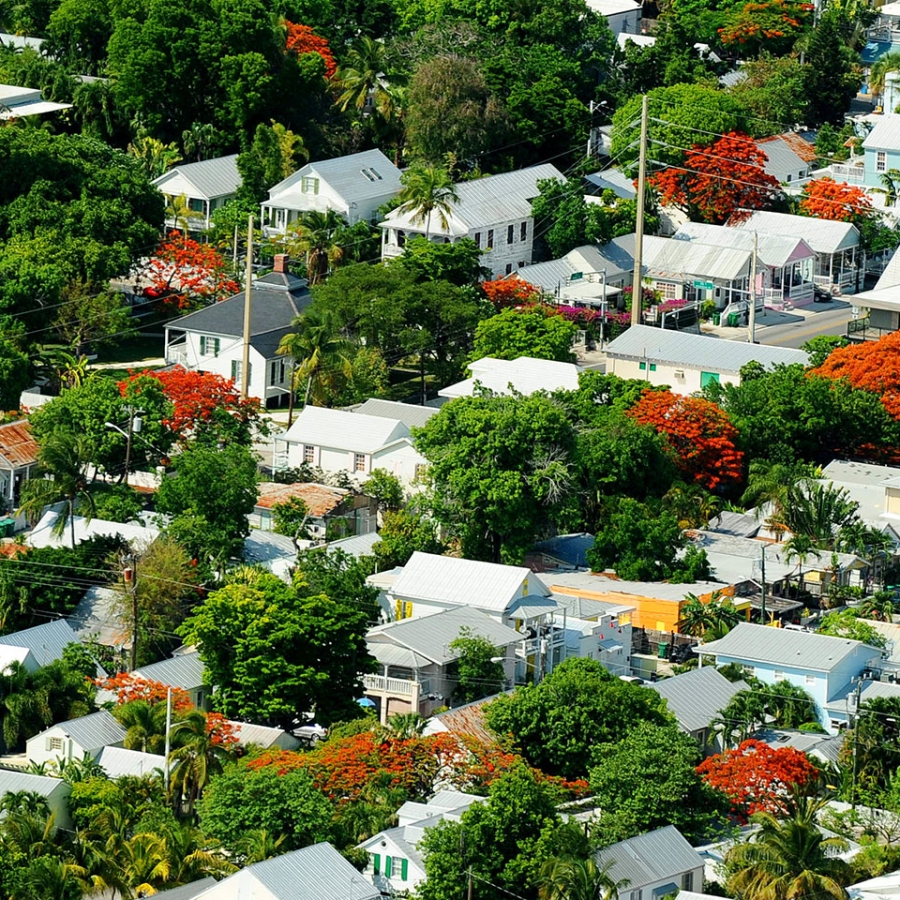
<point>281,263</point>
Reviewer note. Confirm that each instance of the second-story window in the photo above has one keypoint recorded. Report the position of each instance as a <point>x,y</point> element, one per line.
<point>523,231</point>
<point>490,240</point>
<point>881,161</point>
<point>359,462</point>
<point>510,233</point>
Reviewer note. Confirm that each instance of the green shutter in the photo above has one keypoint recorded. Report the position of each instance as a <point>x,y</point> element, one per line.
<point>387,867</point>
<point>376,863</point>
<point>202,345</point>
<point>404,869</point>
<point>215,346</point>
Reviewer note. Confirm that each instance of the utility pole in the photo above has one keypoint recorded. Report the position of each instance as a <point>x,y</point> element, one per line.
<point>855,742</point>
<point>763,580</point>
<point>168,740</point>
<point>751,321</point>
<point>234,251</point>
<point>248,296</point>
<point>130,576</point>
<point>469,890</point>
<point>637,294</point>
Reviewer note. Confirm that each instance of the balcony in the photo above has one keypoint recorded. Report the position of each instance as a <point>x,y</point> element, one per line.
<point>177,355</point>
<point>395,687</point>
<point>850,174</point>
<point>859,330</point>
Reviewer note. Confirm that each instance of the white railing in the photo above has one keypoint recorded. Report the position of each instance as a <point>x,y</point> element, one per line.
<point>386,685</point>
<point>391,250</point>
<point>849,173</point>
<point>176,354</point>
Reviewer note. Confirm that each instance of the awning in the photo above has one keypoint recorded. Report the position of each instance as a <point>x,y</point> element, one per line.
<point>610,645</point>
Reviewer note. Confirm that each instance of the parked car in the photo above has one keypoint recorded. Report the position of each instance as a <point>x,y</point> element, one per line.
<point>309,733</point>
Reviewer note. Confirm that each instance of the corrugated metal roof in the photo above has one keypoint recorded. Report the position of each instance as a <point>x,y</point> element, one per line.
<point>823,235</point>
<point>697,697</point>
<point>803,144</point>
<point>185,671</point>
<point>772,249</point>
<point>781,159</point>
<point>562,582</point>
<point>187,891</point>
<point>320,499</point>
<point>46,642</point>
<point>13,782</point>
<point>884,136</point>
<point>43,536</point>
<point>588,608</point>
<point>358,545</point>
<point>651,858</point>
<point>779,646</point>
<point>826,746</point>
<point>411,416</point>
<point>697,351</point>
<point>613,7</point>
<point>890,277</point>
<point>392,655</point>
<point>17,447</point>
<point>93,731</point>
<point>118,762</point>
<point>465,582</point>
<point>431,636</point>
<point>614,179</point>
<point>526,375</point>
<point>321,427</point>
<point>730,79</point>
<point>211,177</point>
<point>99,616</point>
<point>663,258</point>
<point>464,720</point>
<point>263,736</point>
<point>485,201</point>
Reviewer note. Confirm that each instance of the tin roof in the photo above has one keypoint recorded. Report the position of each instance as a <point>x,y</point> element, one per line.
<point>651,858</point>
<point>185,671</point>
<point>211,177</point>
<point>90,732</point>
<point>320,499</point>
<point>823,235</point>
<point>697,697</point>
<point>17,447</point>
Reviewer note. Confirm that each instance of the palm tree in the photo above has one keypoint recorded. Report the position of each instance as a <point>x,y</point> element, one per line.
<point>51,878</point>
<point>405,726</point>
<point>880,606</point>
<point>144,863</point>
<point>179,211</point>
<point>427,190</point>
<point>888,63</point>
<point>890,184</point>
<point>769,482</point>
<point>193,856</point>
<point>259,844</point>
<point>695,616</point>
<point>26,706</point>
<point>817,511</point>
<point>144,724</point>
<point>799,547</point>
<point>789,859</point>
<point>154,156</point>
<point>65,457</point>
<point>568,878</point>
<point>196,757</point>
<point>312,235</point>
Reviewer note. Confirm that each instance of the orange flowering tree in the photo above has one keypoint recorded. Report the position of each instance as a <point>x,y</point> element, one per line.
<point>302,39</point>
<point>871,366</point>
<point>758,778</point>
<point>506,292</point>
<point>185,275</point>
<point>719,179</point>
<point>772,26</point>
<point>825,198</point>
<point>128,687</point>
<point>700,435</point>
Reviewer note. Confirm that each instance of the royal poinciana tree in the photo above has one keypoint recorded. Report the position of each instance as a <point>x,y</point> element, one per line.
<point>505,292</point>
<point>302,39</point>
<point>700,434</point>
<point>825,198</point>
<point>716,181</point>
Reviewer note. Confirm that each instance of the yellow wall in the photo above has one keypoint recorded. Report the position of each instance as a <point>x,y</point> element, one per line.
<point>892,501</point>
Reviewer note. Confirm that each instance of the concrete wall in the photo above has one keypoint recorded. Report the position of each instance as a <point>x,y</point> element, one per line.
<point>689,382</point>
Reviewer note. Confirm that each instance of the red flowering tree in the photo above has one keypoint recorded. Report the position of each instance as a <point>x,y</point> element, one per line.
<point>871,366</point>
<point>772,26</point>
<point>825,198</point>
<point>756,777</point>
<point>506,292</point>
<point>302,39</point>
<point>719,179</point>
<point>128,687</point>
<point>700,435</point>
<point>185,275</point>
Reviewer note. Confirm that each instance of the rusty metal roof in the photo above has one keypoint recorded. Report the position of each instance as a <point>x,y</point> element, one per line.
<point>17,447</point>
<point>320,499</point>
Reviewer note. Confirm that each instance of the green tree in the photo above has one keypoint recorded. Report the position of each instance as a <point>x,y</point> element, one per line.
<point>773,89</point>
<point>821,347</point>
<point>832,73</point>
<point>144,724</point>
<point>560,723</point>
<point>403,533</point>
<point>197,756</point>
<point>478,675</point>
<point>290,518</point>
<point>880,606</point>
<point>574,878</point>
<point>459,262</point>
<point>534,332</point>
<point>15,374</point>
<point>314,236</point>
<point>427,191</point>
<point>817,511</point>
<point>846,624</point>
<point>385,489</point>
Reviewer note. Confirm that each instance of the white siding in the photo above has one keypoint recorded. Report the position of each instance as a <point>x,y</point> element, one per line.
<point>681,379</point>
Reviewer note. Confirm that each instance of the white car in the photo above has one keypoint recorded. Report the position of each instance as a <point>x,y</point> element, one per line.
<point>310,733</point>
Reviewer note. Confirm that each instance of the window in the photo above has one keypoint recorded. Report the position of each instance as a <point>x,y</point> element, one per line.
<point>523,231</point>
<point>810,679</point>
<point>309,454</point>
<point>478,239</point>
<point>778,675</point>
<point>276,375</point>
<point>403,609</point>
<point>309,185</point>
<point>401,238</point>
<point>687,881</point>
<point>359,462</point>
<point>209,346</point>
<point>509,268</point>
<point>635,895</point>
<point>421,469</point>
<point>490,239</point>
<point>881,161</point>
<point>788,179</point>
<point>667,288</point>
<point>520,264</point>
<point>510,233</point>
<point>643,367</point>
<point>195,205</point>
<point>236,366</point>
<point>708,377</point>
<point>54,743</point>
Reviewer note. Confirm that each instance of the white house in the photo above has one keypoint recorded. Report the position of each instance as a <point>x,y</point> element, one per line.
<point>212,339</point>
<point>688,362</point>
<point>395,861</point>
<point>353,186</point>
<point>494,211</point>
<point>118,762</point>
<point>75,739</point>
<point>18,460</point>
<point>877,312</point>
<point>523,375</point>
<point>336,440</point>
<point>783,162</point>
<point>84,529</point>
<point>206,186</point>
<point>36,647</point>
<point>54,790</point>
<point>184,671</point>
<point>653,865</point>
<point>622,16</point>
<point>16,102</point>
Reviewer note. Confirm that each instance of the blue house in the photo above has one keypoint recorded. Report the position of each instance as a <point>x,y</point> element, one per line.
<point>823,666</point>
<point>882,150</point>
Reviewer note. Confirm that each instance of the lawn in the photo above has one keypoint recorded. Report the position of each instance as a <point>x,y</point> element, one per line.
<point>132,350</point>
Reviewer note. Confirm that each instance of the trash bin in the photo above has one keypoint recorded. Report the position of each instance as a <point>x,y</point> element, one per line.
<point>7,526</point>
<point>663,652</point>
<point>717,318</point>
<point>732,320</point>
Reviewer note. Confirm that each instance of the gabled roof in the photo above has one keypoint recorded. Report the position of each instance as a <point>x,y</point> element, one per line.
<point>43,536</point>
<point>616,180</point>
<point>525,374</point>
<point>17,447</point>
<point>209,177</point>
<point>779,646</point>
<point>698,351</point>
<point>248,733</point>
<point>781,157</point>
<point>99,616</point>
<point>45,642</point>
<point>430,636</point>
<point>12,782</point>
<point>823,235</point>
<point>17,101</point>
<point>410,415</point>
<point>184,671</point>
<point>773,250</point>
<point>357,545</point>
<point>91,732</point>
<point>321,427</point>
<point>484,202</point>
<point>884,136</point>
<point>187,891</point>
<point>464,582</point>
<point>664,258</point>
<point>118,762</point>
<point>320,499</point>
<point>697,697</point>
<point>650,858</point>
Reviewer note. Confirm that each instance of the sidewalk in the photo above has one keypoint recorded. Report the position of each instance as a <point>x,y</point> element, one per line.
<point>771,317</point>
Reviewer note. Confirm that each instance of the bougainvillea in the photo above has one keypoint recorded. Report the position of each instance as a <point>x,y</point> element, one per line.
<point>756,777</point>
<point>719,179</point>
<point>186,275</point>
<point>871,366</point>
<point>825,198</point>
<point>700,435</point>
<point>506,292</point>
<point>302,39</point>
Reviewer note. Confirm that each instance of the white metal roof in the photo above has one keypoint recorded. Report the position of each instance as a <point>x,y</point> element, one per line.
<point>45,642</point>
<point>100,616</point>
<point>697,351</point>
<point>249,733</point>
<point>601,584</point>
<point>651,858</point>
<point>772,249</point>
<point>613,7</point>
<point>43,536</point>
<point>465,582</point>
<point>667,259</point>
<point>19,101</point>
<point>321,427</point>
<point>184,671</point>
<point>412,416</point>
<point>695,698</point>
<point>117,762</point>
<point>781,160</point>
<point>90,732</point>
<point>885,135</point>
<point>823,235</point>
<point>210,178</point>
<point>525,374</point>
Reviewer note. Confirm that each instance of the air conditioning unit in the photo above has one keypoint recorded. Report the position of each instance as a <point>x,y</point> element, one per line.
<point>679,373</point>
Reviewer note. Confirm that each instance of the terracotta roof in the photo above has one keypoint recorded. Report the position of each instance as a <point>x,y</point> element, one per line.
<point>804,149</point>
<point>17,446</point>
<point>319,498</point>
<point>468,720</point>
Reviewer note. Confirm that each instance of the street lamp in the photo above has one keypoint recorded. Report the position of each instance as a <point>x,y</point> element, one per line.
<point>134,427</point>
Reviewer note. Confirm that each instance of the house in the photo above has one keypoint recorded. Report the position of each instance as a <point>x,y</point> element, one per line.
<point>84,529</point>
<point>18,461</point>
<point>263,736</point>
<point>274,552</point>
<point>786,264</point>
<point>622,16</point>
<point>464,722</point>
<point>783,159</point>
<point>839,256</point>
<point>395,861</point>
<point>877,312</point>
<point>688,362</point>
<point>100,619</point>
<point>418,665</point>
<point>187,891</point>
<point>877,682</point>
<point>19,42</point>
<point>696,699</point>
<point>206,186</point>
<point>882,149</point>
<point>54,790</point>
<point>36,647</point>
<point>494,211</point>
<point>523,375</point>
<point>331,510</point>
<point>75,739</point>
<point>184,671</point>
<point>875,488</point>
<point>16,102</point>
<point>212,339</point>
<point>118,762</point>
<point>336,440</point>
<point>354,186</point>
<point>821,748</point>
<point>823,666</point>
<point>652,865</point>
<point>597,630</point>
